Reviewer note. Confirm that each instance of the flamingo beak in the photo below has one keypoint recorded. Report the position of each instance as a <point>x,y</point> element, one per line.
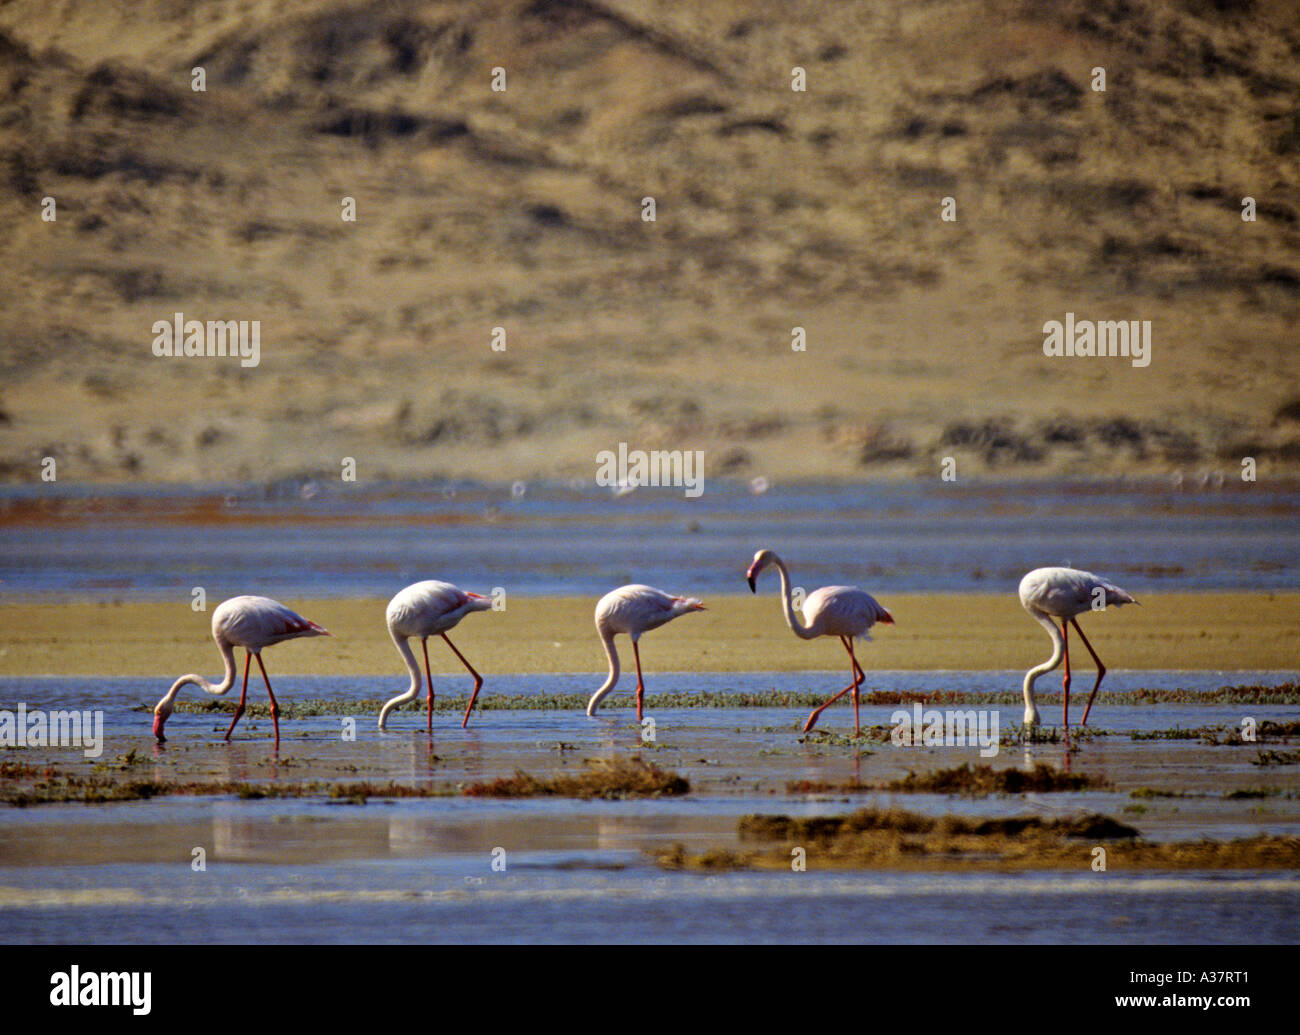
<point>158,722</point>
<point>753,587</point>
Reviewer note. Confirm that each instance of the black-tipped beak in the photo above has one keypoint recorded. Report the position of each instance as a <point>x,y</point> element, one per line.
<point>753,588</point>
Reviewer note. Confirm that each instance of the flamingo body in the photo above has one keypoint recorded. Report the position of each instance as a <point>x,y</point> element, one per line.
<point>425,609</point>
<point>1064,594</point>
<point>843,611</point>
<point>250,622</point>
<point>633,610</point>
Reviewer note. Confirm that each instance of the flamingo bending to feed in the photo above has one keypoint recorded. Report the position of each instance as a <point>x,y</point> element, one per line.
<point>1062,593</point>
<point>429,609</point>
<point>634,610</point>
<point>251,623</point>
<point>843,611</point>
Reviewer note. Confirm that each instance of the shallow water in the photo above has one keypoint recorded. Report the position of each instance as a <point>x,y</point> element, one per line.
<point>537,901</point>
<point>313,540</point>
<point>314,870</point>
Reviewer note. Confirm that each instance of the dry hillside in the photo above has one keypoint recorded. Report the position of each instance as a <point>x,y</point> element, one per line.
<point>522,209</point>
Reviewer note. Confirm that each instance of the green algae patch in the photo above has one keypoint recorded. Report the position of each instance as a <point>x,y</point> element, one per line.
<point>620,778</point>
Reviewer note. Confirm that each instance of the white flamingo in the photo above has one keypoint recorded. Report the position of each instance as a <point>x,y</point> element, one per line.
<point>634,610</point>
<point>251,623</point>
<point>429,609</point>
<point>1062,593</point>
<point>843,611</point>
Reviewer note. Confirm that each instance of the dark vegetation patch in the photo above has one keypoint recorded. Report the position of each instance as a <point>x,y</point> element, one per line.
<point>973,781</point>
<point>982,780</point>
<point>621,778</point>
<point>22,785</point>
<point>894,839</point>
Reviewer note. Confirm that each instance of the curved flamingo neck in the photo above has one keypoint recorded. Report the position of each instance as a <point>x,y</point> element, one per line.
<point>607,640</point>
<point>804,632</point>
<point>408,655</point>
<point>216,689</point>
<point>1058,652</point>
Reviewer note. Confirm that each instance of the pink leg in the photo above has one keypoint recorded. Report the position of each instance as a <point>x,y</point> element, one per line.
<point>640,686</point>
<point>478,681</point>
<point>275,707</point>
<point>1101,670</point>
<point>242,695</point>
<point>858,678</point>
<point>428,679</point>
<point>1065,682</point>
<point>857,681</point>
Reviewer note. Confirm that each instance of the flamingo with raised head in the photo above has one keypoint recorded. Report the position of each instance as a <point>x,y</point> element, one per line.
<point>1063,593</point>
<point>251,623</point>
<point>634,610</point>
<point>427,609</point>
<point>843,611</point>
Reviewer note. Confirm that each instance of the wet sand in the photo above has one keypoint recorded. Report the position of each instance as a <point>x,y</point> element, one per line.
<point>1206,631</point>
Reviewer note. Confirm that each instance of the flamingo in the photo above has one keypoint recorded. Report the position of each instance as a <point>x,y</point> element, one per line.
<point>1062,593</point>
<point>251,623</point>
<point>634,610</point>
<point>427,609</point>
<point>843,611</point>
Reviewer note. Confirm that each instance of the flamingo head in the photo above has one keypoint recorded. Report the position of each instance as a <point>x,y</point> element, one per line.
<point>478,602</point>
<point>160,715</point>
<point>685,605</point>
<point>761,560</point>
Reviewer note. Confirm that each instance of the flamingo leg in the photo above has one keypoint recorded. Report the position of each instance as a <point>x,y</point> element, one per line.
<point>1065,681</point>
<point>858,677</point>
<point>243,694</point>
<point>640,686</point>
<point>275,707</point>
<point>424,641</point>
<point>1101,670</point>
<point>478,681</point>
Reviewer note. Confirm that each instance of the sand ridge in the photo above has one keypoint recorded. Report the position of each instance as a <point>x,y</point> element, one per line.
<point>1244,631</point>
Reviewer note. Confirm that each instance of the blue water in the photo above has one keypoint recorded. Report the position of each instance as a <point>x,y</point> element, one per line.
<point>326,539</point>
<point>311,870</point>
<point>537,902</point>
<point>317,870</point>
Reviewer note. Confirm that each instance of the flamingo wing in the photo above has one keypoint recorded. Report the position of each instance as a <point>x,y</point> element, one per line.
<point>844,611</point>
<point>636,609</point>
<point>257,622</point>
<point>1065,592</point>
<point>426,608</point>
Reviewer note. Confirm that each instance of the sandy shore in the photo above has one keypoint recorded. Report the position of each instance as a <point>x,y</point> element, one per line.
<point>737,633</point>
